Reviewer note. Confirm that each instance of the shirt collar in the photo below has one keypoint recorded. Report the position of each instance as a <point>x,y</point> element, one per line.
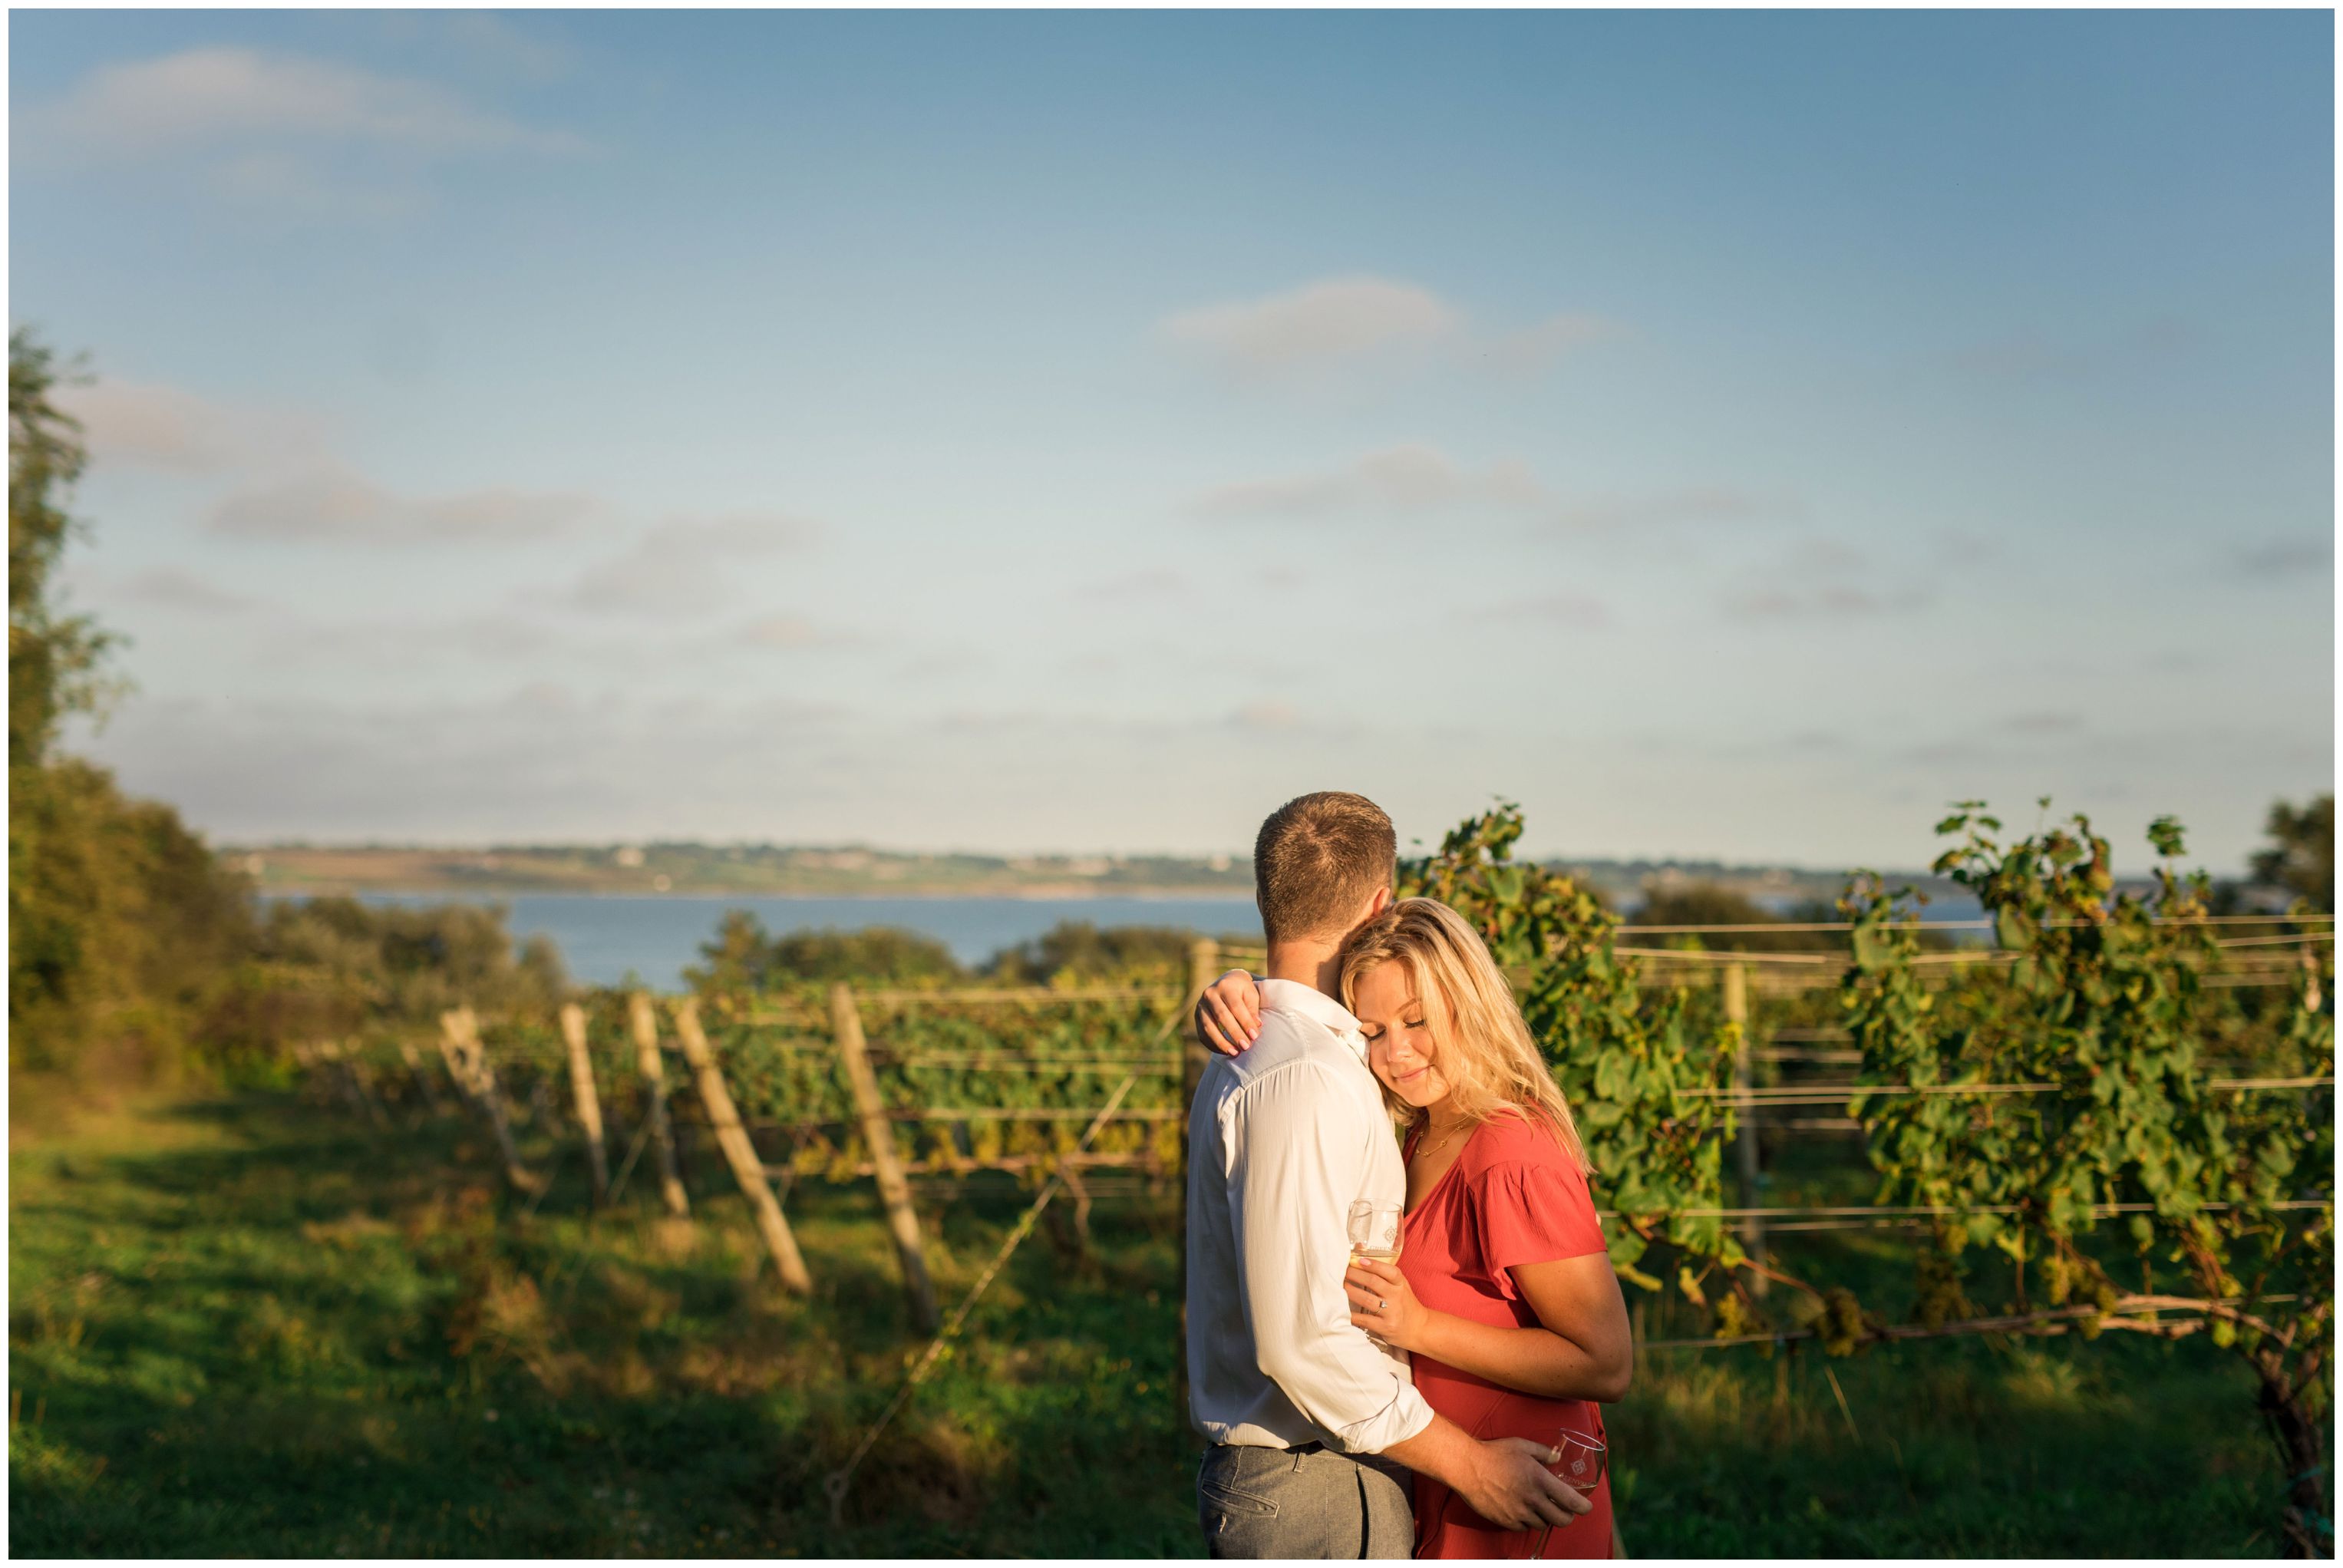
<point>1292,996</point>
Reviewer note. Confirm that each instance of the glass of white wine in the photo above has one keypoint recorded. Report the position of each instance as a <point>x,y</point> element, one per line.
<point>1374,1231</point>
<point>1578,1461</point>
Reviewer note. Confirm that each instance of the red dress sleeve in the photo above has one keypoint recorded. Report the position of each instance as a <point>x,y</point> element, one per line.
<point>1535,1211</point>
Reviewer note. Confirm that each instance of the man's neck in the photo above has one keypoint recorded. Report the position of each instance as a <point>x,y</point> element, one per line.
<point>1318,965</point>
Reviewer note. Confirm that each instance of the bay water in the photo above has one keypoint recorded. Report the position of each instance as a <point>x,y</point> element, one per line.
<point>606,937</point>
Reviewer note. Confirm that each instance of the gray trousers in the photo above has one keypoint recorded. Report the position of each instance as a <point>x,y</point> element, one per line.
<point>1304,1503</point>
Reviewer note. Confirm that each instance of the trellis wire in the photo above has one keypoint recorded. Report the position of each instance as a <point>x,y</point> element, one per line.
<point>1980,925</point>
<point>2116,1317</point>
<point>1832,1093</point>
<point>836,1483</point>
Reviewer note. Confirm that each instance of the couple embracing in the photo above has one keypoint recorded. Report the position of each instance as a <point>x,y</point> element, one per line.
<point>1356,1406</point>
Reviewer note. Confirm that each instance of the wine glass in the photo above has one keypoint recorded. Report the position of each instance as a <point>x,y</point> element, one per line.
<point>1577,1464</point>
<point>1374,1231</point>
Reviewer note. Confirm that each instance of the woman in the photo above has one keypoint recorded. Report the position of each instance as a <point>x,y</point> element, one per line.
<point>1503,1294</point>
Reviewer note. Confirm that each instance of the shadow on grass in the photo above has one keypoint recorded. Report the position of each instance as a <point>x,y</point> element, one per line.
<point>251,1327</point>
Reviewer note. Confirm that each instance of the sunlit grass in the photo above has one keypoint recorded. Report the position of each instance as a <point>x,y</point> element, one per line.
<point>255,1327</point>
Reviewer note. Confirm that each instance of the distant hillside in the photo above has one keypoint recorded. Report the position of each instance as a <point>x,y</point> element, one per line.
<point>843,872</point>
<point>735,868</point>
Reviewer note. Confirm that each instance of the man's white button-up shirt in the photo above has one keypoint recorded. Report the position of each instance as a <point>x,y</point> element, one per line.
<point>1281,1142</point>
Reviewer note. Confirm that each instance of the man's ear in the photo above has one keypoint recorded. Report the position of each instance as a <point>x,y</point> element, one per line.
<point>1378,903</point>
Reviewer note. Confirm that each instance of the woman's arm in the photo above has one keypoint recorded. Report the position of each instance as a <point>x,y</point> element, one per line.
<point>1228,1015</point>
<point>1584,1348</point>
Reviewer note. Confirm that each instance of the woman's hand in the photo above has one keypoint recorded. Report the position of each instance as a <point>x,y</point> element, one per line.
<point>1228,1015</point>
<point>1383,1304</point>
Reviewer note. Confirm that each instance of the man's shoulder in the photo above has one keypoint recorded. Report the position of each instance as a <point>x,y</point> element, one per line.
<point>1292,1053</point>
<point>1289,1039</point>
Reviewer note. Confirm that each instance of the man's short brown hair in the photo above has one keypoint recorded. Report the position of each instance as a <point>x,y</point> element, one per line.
<point>1318,858</point>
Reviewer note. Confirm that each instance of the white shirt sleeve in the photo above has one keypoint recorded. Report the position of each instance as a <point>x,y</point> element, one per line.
<point>1297,1152</point>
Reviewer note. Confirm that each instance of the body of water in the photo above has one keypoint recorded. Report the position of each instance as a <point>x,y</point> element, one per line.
<point>604,936</point>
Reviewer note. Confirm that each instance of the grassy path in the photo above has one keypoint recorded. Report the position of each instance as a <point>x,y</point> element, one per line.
<point>250,1328</point>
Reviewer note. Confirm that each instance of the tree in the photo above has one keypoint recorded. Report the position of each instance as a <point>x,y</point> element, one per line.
<point>742,957</point>
<point>53,659</point>
<point>2301,856</point>
<point>120,918</point>
<point>1078,951</point>
<point>1707,904</point>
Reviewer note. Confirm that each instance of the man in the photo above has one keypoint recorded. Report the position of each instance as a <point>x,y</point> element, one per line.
<point>1311,1421</point>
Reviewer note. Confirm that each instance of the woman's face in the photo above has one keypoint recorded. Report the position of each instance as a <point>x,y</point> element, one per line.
<point>1399,1047</point>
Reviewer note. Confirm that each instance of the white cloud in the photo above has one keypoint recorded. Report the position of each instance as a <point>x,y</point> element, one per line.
<point>160,427</point>
<point>298,183</point>
<point>681,567</point>
<point>1352,325</point>
<point>467,639</point>
<point>1535,348</point>
<point>1330,324</point>
<point>1831,602</point>
<point>781,632</point>
<point>1691,503</point>
<point>1572,610</point>
<point>2043,722</point>
<point>2033,359</point>
<point>793,632</point>
<point>273,133</point>
<point>537,762</point>
<point>1416,478</point>
<point>483,37</point>
<point>2305,558</point>
<point>1405,478</point>
<point>1266,715</point>
<point>207,97</point>
<point>1146,583</point>
<point>175,588</point>
<point>333,504</point>
<point>1820,579</point>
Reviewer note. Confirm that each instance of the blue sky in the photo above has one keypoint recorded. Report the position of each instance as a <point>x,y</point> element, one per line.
<point>1727,433</point>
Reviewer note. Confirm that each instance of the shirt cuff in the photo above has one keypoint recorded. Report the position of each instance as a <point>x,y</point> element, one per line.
<point>1406,1416</point>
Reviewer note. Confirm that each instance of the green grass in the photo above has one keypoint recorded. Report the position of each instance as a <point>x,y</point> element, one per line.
<point>254,1327</point>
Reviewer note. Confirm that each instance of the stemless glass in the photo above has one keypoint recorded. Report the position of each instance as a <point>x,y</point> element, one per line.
<point>1577,1464</point>
<point>1374,1231</point>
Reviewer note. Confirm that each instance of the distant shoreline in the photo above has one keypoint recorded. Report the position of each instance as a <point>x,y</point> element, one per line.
<point>693,870</point>
<point>1037,894</point>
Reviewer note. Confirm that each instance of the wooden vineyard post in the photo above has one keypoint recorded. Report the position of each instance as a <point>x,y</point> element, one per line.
<point>353,1086</point>
<point>894,1191</point>
<point>423,1084</point>
<point>645,1024</point>
<point>1203,967</point>
<point>739,1152</point>
<point>589,1103</point>
<point>1735,980</point>
<point>468,1063</point>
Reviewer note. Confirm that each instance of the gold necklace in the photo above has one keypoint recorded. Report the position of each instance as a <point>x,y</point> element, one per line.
<point>1424,1151</point>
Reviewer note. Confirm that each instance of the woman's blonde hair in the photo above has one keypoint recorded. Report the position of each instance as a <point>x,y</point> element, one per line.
<point>1483,1048</point>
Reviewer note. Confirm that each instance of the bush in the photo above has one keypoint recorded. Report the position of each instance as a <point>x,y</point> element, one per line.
<point>743,957</point>
<point>1078,951</point>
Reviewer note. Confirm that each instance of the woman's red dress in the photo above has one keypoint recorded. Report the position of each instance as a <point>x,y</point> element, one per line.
<point>1513,1197</point>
